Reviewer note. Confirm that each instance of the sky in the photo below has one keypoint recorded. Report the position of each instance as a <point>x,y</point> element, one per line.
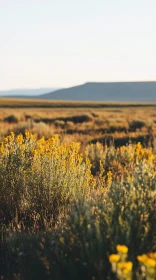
<point>62,43</point>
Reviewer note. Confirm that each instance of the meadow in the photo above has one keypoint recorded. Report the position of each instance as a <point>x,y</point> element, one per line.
<point>78,190</point>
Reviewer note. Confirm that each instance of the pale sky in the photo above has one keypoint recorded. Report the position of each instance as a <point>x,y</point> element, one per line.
<point>61,43</point>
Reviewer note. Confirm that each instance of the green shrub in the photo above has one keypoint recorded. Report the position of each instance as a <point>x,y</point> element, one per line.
<point>11,119</point>
<point>136,124</point>
<point>80,247</point>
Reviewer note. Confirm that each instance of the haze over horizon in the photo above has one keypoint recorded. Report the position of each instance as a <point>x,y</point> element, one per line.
<point>59,44</point>
<point>71,86</point>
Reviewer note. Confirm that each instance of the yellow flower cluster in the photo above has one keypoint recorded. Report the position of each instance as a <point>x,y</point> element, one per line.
<point>55,171</point>
<point>123,162</point>
<point>148,265</point>
<point>120,266</point>
<point>123,269</point>
<point>148,260</point>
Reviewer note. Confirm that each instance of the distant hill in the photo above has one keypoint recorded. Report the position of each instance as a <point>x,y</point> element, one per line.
<point>116,91</point>
<point>25,92</point>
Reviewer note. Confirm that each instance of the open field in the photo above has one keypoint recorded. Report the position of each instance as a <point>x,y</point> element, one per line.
<point>67,201</point>
<point>82,122</point>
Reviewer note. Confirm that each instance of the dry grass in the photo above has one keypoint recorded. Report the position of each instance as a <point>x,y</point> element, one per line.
<point>31,103</point>
<point>79,121</point>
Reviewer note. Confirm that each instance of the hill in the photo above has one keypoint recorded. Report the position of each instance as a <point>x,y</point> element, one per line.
<point>116,91</point>
<point>25,92</point>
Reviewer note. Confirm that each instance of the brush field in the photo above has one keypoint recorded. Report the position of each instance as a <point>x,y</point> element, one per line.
<point>78,190</point>
<point>80,121</point>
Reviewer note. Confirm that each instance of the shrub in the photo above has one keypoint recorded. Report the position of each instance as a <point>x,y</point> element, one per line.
<point>121,161</point>
<point>79,119</point>
<point>11,119</point>
<point>40,176</point>
<point>59,123</point>
<point>38,129</point>
<point>58,221</point>
<point>69,125</point>
<point>82,244</point>
<point>102,122</point>
<point>136,124</point>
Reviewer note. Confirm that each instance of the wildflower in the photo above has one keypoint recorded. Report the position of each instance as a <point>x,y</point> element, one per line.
<point>126,267</point>
<point>114,258</point>
<point>152,256</point>
<point>142,258</point>
<point>150,262</point>
<point>122,249</point>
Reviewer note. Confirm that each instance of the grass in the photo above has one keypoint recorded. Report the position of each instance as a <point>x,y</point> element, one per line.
<point>85,124</point>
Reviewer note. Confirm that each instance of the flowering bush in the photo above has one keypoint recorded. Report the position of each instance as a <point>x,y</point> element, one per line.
<point>41,176</point>
<point>60,208</point>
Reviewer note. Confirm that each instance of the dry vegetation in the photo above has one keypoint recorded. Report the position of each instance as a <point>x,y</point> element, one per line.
<point>66,206</point>
<point>118,123</point>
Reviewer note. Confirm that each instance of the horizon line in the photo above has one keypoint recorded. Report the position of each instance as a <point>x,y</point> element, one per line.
<point>91,82</point>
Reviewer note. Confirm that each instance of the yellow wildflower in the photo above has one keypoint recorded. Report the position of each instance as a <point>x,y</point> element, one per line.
<point>126,267</point>
<point>150,262</point>
<point>114,258</point>
<point>122,249</point>
<point>142,258</point>
<point>152,255</point>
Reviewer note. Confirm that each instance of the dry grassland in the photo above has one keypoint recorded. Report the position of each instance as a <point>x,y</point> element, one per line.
<point>80,121</point>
